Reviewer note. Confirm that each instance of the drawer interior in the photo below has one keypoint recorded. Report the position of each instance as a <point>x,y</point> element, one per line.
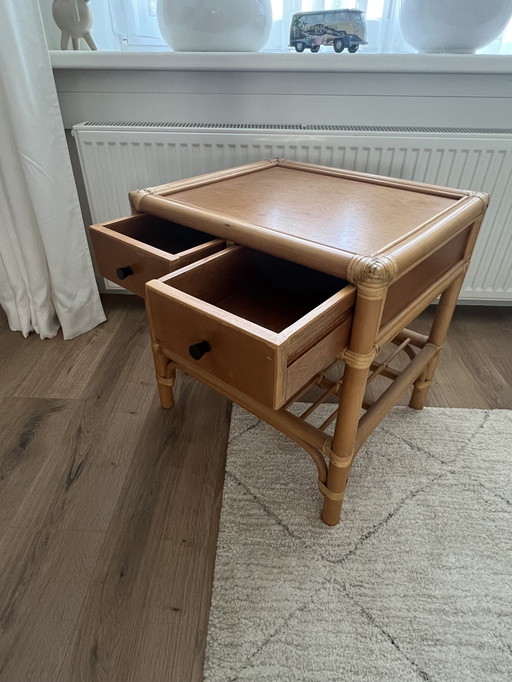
<point>159,233</point>
<point>263,289</point>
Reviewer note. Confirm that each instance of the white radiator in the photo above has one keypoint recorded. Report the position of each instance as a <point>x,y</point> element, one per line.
<point>119,157</point>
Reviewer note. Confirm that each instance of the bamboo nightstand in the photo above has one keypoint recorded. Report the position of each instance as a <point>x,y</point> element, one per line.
<point>324,266</point>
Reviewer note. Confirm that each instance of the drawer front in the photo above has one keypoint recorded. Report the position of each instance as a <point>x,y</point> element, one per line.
<point>131,251</point>
<point>128,265</point>
<point>252,343</point>
<point>317,358</point>
<point>237,358</point>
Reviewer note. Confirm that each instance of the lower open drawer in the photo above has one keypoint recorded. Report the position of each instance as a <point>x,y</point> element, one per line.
<point>251,321</point>
<point>130,251</point>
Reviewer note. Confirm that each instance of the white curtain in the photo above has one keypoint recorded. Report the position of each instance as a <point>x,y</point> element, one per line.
<point>46,275</point>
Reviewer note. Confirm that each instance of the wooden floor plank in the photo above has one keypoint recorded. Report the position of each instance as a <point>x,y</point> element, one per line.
<point>85,452</point>
<point>81,478</point>
<point>44,576</point>
<point>469,373</point>
<point>26,427</point>
<point>19,358</point>
<point>157,563</point>
<point>64,368</point>
<point>474,370</point>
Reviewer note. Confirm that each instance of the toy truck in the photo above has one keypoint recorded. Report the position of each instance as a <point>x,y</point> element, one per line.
<point>341,28</point>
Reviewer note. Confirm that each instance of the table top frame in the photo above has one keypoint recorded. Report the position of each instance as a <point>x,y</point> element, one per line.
<point>387,261</point>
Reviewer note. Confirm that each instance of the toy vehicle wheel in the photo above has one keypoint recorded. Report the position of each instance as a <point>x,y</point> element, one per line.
<point>315,48</point>
<point>353,48</point>
<point>299,46</point>
<point>338,45</point>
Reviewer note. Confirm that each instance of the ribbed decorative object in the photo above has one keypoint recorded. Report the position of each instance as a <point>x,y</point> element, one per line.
<point>215,25</point>
<point>74,18</point>
<point>453,26</point>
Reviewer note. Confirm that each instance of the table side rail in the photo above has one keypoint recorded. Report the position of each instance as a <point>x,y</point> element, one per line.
<point>390,330</point>
<point>411,250</point>
<point>410,286</point>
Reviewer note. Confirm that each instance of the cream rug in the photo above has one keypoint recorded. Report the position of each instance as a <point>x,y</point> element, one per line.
<point>414,584</point>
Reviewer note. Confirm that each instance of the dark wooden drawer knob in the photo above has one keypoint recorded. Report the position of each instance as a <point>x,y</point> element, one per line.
<point>197,350</point>
<point>123,273</point>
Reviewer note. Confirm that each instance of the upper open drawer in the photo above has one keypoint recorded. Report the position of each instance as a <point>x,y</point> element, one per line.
<point>130,251</point>
<point>244,319</point>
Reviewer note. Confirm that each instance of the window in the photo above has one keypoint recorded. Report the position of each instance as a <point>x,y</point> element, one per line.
<point>135,25</point>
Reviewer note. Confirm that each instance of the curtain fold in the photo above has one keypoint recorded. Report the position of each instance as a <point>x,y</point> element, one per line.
<point>46,275</point>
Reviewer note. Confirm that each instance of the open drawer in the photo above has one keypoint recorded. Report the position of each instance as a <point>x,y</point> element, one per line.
<point>250,321</point>
<point>130,251</point>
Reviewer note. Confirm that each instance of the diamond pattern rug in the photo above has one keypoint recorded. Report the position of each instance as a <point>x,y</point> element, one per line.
<point>415,583</point>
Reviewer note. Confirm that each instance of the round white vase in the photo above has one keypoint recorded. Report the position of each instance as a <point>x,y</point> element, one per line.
<point>215,25</point>
<point>453,26</point>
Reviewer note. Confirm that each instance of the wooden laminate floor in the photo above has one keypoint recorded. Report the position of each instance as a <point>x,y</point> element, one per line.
<point>109,505</point>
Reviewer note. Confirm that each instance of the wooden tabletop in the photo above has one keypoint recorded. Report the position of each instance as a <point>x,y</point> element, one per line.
<point>348,215</point>
<point>311,214</point>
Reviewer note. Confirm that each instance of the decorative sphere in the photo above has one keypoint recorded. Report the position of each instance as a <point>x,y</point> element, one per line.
<point>73,17</point>
<point>454,26</point>
<point>215,25</point>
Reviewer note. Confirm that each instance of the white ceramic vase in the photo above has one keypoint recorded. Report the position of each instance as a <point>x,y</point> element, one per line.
<point>453,26</point>
<point>215,25</point>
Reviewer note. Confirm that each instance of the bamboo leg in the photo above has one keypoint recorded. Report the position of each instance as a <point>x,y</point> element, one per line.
<point>165,370</point>
<point>438,331</point>
<point>354,384</point>
<point>165,377</point>
<point>371,294</point>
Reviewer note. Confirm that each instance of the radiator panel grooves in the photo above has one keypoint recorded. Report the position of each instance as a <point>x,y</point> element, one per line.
<point>293,127</point>
<point>119,157</point>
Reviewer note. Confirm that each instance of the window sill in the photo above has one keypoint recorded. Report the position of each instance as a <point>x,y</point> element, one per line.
<point>287,62</point>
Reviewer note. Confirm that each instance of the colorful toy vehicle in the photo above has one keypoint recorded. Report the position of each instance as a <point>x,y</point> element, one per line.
<point>341,28</point>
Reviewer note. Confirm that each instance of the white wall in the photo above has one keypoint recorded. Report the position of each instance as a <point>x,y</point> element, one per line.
<point>419,90</point>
